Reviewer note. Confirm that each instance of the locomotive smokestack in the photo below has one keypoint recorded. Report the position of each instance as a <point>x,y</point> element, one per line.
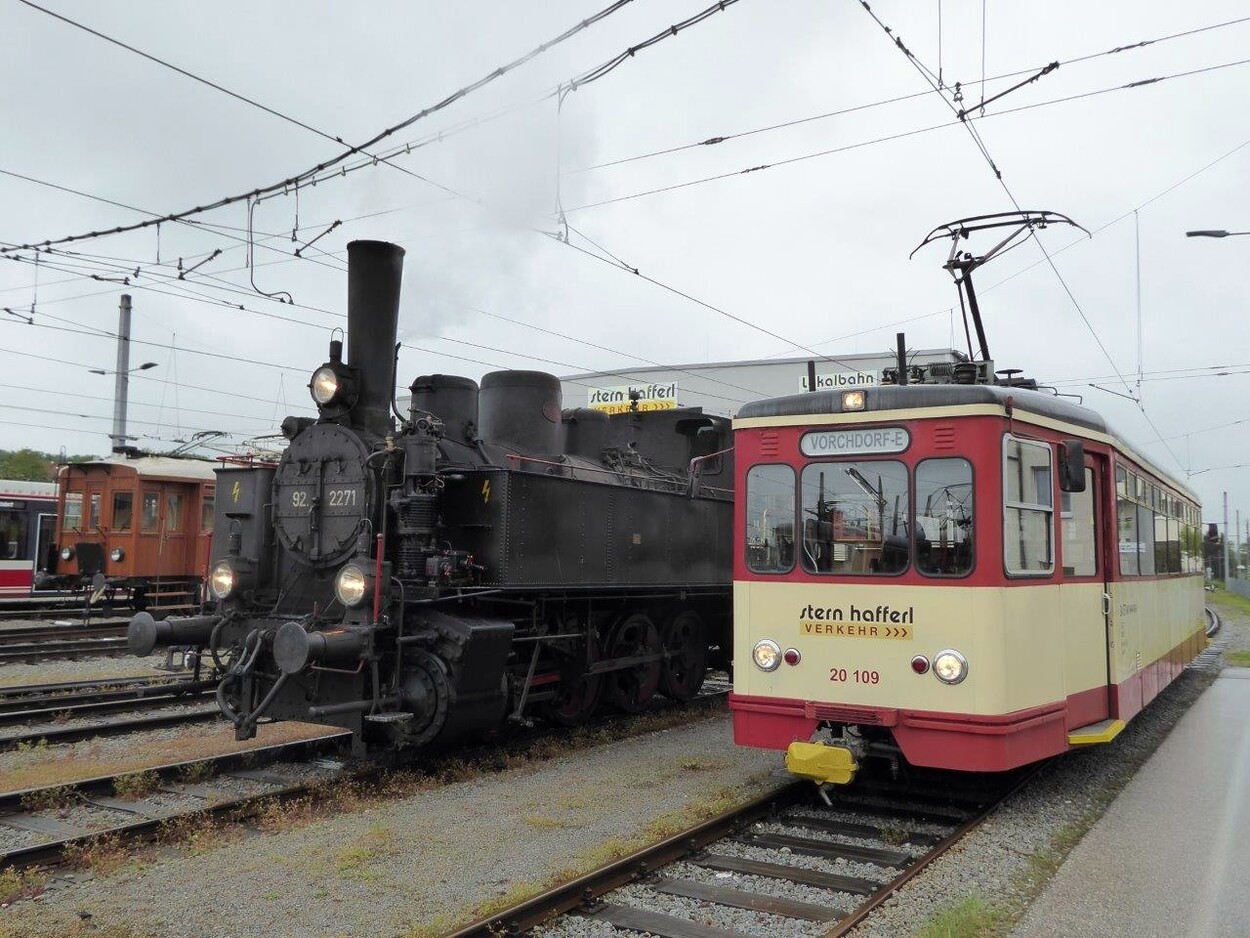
<point>374,272</point>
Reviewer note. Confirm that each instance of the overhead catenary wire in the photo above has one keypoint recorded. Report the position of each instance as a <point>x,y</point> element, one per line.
<point>972,131</point>
<point>888,138</point>
<point>581,80</point>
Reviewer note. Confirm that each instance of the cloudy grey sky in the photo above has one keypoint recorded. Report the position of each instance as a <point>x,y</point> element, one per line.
<point>813,248</point>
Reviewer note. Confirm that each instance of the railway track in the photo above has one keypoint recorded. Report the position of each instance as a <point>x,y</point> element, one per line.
<point>30,652</point>
<point>781,864</point>
<point>41,813</point>
<point>39,718</point>
<point>46,822</point>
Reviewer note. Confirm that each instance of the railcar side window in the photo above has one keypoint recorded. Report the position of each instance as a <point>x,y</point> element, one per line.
<point>855,517</point>
<point>151,510</point>
<point>173,516</point>
<point>1080,524</point>
<point>1028,508</point>
<point>12,535</point>
<point>73,511</point>
<point>123,510</point>
<point>944,510</point>
<point>1126,513</point>
<point>770,518</point>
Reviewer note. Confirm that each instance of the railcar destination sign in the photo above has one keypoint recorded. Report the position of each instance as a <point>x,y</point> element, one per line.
<point>855,442</point>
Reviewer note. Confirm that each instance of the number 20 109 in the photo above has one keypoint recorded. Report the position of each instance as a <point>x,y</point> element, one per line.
<point>858,676</point>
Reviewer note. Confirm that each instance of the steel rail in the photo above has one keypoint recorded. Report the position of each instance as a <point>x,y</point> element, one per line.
<point>73,734</point>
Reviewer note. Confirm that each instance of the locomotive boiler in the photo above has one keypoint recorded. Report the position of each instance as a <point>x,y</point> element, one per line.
<point>485,557</point>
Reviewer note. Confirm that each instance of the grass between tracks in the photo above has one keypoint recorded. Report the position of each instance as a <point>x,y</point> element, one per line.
<point>980,916</point>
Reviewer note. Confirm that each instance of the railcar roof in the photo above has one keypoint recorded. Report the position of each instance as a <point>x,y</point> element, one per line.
<point>28,489</point>
<point>920,396</point>
<point>159,467</point>
<point>923,396</point>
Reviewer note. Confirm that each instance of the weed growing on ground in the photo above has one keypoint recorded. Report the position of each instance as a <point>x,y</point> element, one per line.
<point>135,785</point>
<point>196,772</point>
<point>50,799</point>
<point>358,857</point>
<point>894,833</point>
<point>198,833</point>
<point>20,884</point>
<point>970,918</point>
<point>102,855</point>
<point>1240,659</point>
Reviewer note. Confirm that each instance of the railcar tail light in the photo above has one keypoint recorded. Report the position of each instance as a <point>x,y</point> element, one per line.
<point>67,553</point>
<point>949,666</point>
<point>766,655</point>
<point>854,400</point>
<point>223,579</point>
<point>352,586</point>
<point>920,664</point>
<point>792,656</point>
<point>117,555</point>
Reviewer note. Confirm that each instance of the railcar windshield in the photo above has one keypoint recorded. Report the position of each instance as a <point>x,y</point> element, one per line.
<point>856,517</point>
<point>944,516</point>
<point>770,518</point>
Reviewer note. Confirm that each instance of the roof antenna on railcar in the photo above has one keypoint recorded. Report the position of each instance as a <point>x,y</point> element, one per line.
<point>962,264</point>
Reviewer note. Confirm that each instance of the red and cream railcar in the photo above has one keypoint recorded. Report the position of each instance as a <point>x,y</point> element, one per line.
<point>27,514</point>
<point>969,577</point>
<point>143,523</point>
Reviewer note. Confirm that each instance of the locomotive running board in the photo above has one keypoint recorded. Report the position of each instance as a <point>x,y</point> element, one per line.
<point>1096,733</point>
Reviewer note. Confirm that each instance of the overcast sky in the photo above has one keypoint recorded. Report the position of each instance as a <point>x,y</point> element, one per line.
<point>814,250</point>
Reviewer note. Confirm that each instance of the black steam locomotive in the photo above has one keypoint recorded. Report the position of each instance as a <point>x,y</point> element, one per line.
<point>487,557</point>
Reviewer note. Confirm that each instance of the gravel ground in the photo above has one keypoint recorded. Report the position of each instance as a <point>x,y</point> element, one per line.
<point>84,669</point>
<point>994,863</point>
<point>390,868</point>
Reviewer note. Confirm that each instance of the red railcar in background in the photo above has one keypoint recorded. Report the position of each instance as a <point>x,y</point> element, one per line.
<point>27,520</point>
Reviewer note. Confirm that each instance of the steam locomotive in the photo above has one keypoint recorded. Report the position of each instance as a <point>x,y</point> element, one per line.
<point>488,556</point>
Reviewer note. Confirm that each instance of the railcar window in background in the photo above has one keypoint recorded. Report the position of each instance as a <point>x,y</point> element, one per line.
<point>151,511</point>
<point>1079,525</point>
<point>770,518</point>
<point>123,510</point>
<point>173,515</point>
<point>13,535</point>
<point>1028,508</point>
<point>73,511</point>
<point>206,513</point>
<point>944,514</point>
<point>855,517</point>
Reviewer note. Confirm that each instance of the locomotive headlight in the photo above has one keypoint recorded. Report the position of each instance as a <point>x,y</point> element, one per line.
<point>766,655</point>
<point>949,666</point>
<point>324,385</point>
<point>223,579</point>
<point>67,553</point>
<point>352,586</point>
<point>117,555</point>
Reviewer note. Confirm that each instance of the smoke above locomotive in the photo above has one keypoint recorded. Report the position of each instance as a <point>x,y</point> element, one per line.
<point>487,556</point>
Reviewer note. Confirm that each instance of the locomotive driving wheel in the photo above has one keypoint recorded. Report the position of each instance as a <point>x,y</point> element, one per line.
<point>630,688</point>
<point>578,695</point>
<point>685,643</point>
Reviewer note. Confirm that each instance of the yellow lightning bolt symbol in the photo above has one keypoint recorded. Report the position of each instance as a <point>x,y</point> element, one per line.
<point>235,491</point>
<point>485,490</point>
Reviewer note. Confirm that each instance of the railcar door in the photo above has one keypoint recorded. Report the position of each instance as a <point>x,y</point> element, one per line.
<point>174,522</point>
<point>1084,596</point>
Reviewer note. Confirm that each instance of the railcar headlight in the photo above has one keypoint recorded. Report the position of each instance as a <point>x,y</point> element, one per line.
<point>853,400</point>
<point>351,586</point>
<point>766,655</point>
<point>223,579</point>
<point>324,385</point>
<point>67,553</point>
<point>117,555</point>
<point>949,666</point>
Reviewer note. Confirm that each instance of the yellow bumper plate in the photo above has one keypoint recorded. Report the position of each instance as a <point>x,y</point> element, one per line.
<point>1096,733</point>
<point>821,763</point>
